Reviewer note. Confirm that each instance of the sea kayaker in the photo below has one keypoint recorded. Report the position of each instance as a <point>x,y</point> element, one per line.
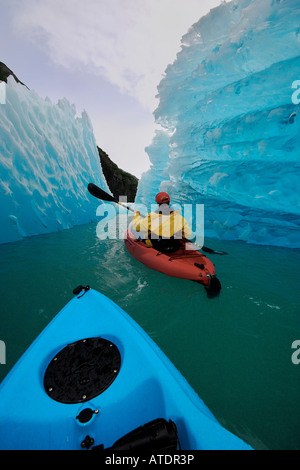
<point>163,228</point>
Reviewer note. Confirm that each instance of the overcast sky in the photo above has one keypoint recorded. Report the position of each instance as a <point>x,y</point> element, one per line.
<point>105,56</point>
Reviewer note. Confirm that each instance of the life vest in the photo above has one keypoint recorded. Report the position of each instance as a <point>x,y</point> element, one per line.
<point>165,224</point>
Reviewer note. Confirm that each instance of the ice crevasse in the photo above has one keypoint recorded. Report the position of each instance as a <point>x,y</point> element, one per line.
<point>229,120</point>
<point>48,155</point>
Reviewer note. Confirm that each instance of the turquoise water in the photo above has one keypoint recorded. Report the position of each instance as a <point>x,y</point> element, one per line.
<point>235,350</point>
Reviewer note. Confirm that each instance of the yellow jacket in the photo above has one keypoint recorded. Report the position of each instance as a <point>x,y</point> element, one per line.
<point>162,226</point>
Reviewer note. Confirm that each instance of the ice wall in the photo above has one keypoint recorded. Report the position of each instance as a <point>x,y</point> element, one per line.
<point>231,123</point>
<point>48,155</point>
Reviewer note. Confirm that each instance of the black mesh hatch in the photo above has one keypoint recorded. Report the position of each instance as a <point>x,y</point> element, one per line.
<point>82,370</point>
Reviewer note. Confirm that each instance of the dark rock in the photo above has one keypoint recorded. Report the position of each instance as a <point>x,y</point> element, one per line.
<point>119,182</point>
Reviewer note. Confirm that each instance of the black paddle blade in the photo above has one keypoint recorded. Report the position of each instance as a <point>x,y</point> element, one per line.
<point>213,252</point>
<point>99,193</point>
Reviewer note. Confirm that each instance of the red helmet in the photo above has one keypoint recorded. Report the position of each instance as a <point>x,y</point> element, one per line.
<point>162,198</point>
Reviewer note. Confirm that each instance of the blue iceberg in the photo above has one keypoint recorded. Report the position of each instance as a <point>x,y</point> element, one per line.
<point>229,122</point>
<point>48,155</point>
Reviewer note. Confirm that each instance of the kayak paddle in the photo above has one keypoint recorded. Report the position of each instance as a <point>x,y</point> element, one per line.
<point>100,194</point>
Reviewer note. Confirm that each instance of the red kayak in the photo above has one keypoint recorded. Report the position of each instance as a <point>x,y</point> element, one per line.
<point>186,263</point>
